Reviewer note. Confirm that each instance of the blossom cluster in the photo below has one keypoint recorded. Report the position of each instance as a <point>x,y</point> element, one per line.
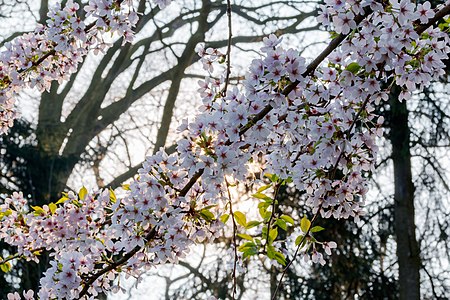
<point>312,125</point>
<point>89,231</point>
<point>54,51</point>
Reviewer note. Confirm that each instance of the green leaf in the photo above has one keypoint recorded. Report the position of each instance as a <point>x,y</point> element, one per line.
<point>246,245</point>
<point>112,196</point>
<point>288,180</point>
<point>288,219</point>
<point>207,215</point>
<point>5,214</point>
<point>262,211</point>
<point>262,197</point>
<point>271,252</point>
<point>62,199</point>
<point>252,224</point>
<point>280,258</point>
<point>282,224</point>
<point>264,205</point>
<point>353,67</point>
<point>317,229</point>
<point>273,233</point>
<point>240,218</point>
<point>249,252</point>
<point>298,240</point>
<point>52,206</point>
<point>38,210</point>
<point>5,267</point>
<point>210,206</point>
<point>245,236</point>
<point>263,188</point>
<point>264,232</point>
<point>272,177</point>
<point>82,193</point>
<point>224,218</point>
<point>305,224</point>
<point>267,215</point>
<point>333,34</point>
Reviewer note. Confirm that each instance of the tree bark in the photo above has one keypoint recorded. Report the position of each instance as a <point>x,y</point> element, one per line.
<point>408,252</point>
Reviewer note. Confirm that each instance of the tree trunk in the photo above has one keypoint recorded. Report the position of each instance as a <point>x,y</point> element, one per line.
<point>408,253</point>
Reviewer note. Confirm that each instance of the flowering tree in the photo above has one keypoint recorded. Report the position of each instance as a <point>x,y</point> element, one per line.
<point>79,129</point>
<point>308,125</point>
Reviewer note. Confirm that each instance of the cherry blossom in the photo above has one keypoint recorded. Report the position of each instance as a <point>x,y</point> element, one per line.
<point>312,126</point>
<point>53,52</point>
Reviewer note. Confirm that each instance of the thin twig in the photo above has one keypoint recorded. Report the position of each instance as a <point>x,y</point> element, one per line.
<point>116,264</point>
<point>276,189</point>
<point>234,240</point>
<point>230,35</point>
<point>296,253</point>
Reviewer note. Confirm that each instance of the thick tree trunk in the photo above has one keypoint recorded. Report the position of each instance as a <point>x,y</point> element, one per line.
<point>408,252</point>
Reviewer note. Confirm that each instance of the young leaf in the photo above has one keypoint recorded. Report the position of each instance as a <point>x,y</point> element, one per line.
<point>245,236</point>
<point>38,210</point>
<point>317,229</point>
<point>82,193</point>
<point>262,197</point>
<point>52,206</point>
<point>287,219</point>
<point>353,67</point>
<point>207,215</point>
<point>280,258</point>
<point>271,252</point>
<point>62,199</point>
<point>224,218</point>
<point>298,240</point>
<point>246,246</point>
<point>112,196</point>
<point>249,252</point>
<point>273,233</point>
<point>240,218</point>
<point>305,224</point>
<point>282,224</point>
<point>272,177</point>
<point>252,224</point>
<point>263,188</point>
<point>5,267</point>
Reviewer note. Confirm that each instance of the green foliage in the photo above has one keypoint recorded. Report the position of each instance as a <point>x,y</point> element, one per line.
<point>52,206</point>
<point>317,229</point>
<point>240,218</point>
<point>248,249</point>
<point>224,218</point>
<point>63,199</point>
<point>305,224</point>
<point>353,67</point>
<point>245,236</point>
<point>5,213</point>
<point>5,267</point>
<point>82,193</point>
<point>206,214</point>
<point>252,224</point>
